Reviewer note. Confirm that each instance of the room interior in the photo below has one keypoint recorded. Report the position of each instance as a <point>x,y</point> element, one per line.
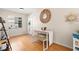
<point>40,29</point>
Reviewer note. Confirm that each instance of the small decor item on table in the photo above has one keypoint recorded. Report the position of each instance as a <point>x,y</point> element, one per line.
<point>43,28</point>
<point>71,17</point>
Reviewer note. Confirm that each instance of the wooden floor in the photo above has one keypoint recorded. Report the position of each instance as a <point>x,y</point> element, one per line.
<point>25,43</point>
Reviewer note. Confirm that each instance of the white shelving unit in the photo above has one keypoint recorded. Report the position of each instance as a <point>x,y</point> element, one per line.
<point>75,44</point>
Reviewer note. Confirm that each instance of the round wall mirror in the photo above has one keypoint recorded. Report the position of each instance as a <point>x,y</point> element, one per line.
<point>45,16</point>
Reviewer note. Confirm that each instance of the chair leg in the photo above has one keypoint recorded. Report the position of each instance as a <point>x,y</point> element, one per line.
<point>45,45</point>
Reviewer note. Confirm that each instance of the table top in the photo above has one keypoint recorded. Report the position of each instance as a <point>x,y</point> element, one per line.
<point>43,30</point>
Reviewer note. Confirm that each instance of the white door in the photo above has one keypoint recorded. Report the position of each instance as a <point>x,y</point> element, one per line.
<point>30,25</point>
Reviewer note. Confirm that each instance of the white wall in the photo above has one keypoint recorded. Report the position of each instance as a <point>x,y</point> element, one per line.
<point>36,23</point>
<point>18,31</point>
<point>62,30</point>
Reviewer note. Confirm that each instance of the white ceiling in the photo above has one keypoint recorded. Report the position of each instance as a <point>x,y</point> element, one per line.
<point>25,11</point>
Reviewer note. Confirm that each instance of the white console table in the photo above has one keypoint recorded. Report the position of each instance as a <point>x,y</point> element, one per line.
<point>48,38</point>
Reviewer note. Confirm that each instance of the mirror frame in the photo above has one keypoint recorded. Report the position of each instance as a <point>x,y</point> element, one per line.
<point>48,17</point>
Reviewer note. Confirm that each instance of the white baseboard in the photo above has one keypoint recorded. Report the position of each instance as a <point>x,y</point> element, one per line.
<point>63,45</point>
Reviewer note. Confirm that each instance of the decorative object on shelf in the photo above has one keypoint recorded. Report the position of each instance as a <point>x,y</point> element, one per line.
<point>71,17</point>
<point>45,16</point>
